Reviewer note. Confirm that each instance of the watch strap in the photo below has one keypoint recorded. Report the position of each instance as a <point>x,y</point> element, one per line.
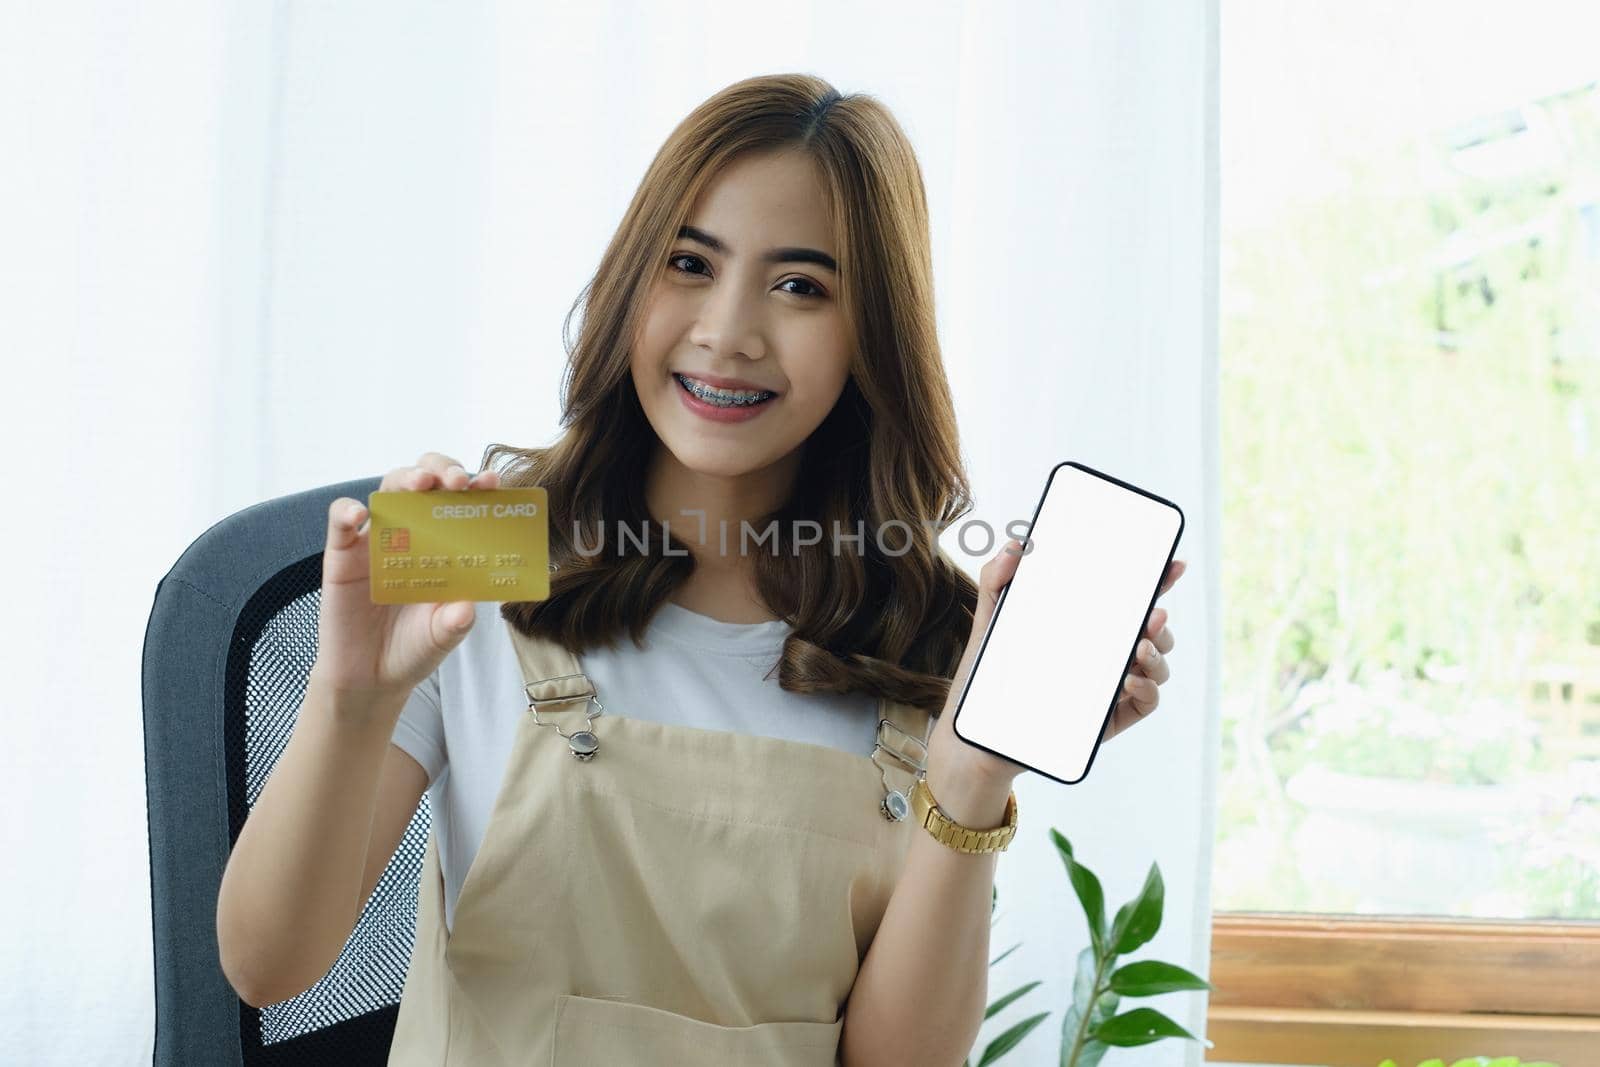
<point>925,811</point>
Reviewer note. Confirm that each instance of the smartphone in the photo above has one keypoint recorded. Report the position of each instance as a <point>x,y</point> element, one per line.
<point>1065,628</point>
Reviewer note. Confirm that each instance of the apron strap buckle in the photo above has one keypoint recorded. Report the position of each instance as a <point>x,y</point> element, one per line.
<point>583,743</point>
<point>564,697</point>
<point>895,805</point>
<point>917,765</point>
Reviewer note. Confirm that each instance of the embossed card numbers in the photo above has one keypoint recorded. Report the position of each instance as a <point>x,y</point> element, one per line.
<point>445,545</point>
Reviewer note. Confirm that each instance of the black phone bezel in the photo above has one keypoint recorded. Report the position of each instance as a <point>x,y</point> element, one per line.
<point>1000,604</point>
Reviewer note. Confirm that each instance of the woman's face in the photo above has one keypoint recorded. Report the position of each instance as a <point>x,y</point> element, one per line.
<point>749,301</point>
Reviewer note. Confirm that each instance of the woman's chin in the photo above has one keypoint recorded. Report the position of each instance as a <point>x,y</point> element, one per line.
<point>718,462</point>
<point>714,452</point>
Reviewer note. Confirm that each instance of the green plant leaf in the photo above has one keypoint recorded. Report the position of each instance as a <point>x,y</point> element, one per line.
<point>1087,886</point>
<point>1148,978</point>
<point>1140,918</point>
<point>1141,1026</point>
<point>1089,893</point>
<point>1006,953</point>
<point>1104,1008</point>
<point>1009,1040</point>
<point>1091,1053</point>
<point>1000,1005</point>
<point>1083,981</point>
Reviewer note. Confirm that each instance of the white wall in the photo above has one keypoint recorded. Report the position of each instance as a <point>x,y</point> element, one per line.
<point>257,248</point>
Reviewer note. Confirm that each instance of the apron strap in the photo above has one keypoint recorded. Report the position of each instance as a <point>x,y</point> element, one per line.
<point>549,671</point>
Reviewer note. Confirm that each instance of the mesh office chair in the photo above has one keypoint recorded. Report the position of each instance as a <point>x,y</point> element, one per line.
<point>230,642</point>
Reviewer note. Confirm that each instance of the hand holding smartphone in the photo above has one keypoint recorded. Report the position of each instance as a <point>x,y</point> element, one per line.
<point>1065,628</point>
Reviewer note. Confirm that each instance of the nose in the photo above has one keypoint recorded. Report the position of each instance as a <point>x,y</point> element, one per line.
<point>729,322</point>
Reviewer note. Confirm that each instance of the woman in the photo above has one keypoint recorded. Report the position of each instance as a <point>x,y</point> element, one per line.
<point>720,875</point>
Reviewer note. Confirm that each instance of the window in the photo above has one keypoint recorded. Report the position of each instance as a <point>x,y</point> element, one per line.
<point>1408,853</point>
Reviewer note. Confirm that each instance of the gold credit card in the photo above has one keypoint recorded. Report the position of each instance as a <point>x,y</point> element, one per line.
<point>459,544</point>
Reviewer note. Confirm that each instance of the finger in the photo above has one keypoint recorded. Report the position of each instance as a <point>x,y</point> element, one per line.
<point>456,618</point>
<point>485,480</point>
<point>409,479</point>
<point>446,471</point>
<point>1126,715</point>
<point>991,579</point>
<point>421,479</point>
<point>395,479</point>
<point>1175,571</point>
<point>1164,640</point>
<point>996,573</point>
<point>1151,663</point>
<point>450,472</point>
<point>437,461</point>
<point>1153,624</point>
<point>1140,694</point>
<point>344,519</point>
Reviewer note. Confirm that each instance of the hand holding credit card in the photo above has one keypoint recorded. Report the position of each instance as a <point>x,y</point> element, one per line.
<point>372,655</point>
<point>448,545</point>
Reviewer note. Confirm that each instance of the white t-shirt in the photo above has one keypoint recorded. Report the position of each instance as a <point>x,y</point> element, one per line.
<point>693,670</point>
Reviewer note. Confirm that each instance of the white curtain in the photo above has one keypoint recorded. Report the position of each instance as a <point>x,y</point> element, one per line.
<point>250,249</point>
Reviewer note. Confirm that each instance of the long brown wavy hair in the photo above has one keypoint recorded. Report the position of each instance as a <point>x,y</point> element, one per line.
<point>892,625</point>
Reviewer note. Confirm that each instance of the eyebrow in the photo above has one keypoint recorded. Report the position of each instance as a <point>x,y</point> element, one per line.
<point>776,255</point>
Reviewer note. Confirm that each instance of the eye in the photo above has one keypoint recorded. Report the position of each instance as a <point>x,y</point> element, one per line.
<point>673,262</point>
<point>814,289</point>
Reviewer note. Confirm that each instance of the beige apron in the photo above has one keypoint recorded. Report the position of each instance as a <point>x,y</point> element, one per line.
<point>686,897</point>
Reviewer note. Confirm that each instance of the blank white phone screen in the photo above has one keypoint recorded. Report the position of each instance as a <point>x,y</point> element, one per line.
<point>1052,663</point>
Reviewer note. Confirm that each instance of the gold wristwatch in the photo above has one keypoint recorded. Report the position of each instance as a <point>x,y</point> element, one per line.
<point>947,831</point>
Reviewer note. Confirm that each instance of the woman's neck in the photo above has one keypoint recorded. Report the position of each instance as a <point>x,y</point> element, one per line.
<point>722,585</point>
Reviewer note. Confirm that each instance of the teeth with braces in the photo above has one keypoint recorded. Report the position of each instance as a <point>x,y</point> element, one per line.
<point>722,397</point>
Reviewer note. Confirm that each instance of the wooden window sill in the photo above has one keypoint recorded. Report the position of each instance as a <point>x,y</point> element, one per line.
<point>1354,990</point>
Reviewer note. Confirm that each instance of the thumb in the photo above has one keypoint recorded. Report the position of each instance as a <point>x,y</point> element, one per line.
<point>452,622</point>
<point>993,578</point>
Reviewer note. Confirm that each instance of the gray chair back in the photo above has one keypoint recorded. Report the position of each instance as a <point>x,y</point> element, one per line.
<point>231,638</point>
